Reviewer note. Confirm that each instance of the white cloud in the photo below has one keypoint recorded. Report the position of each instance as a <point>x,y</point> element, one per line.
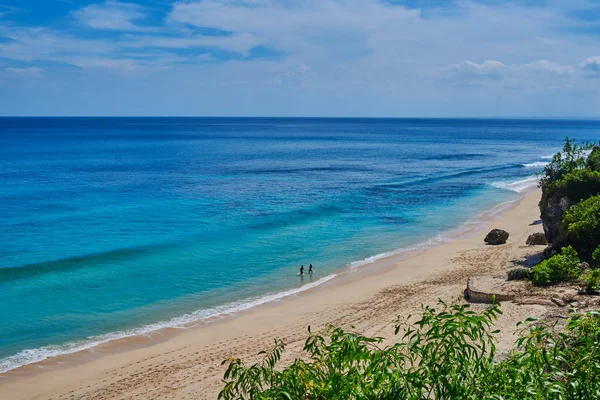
<point>315,26</point>
<point>264,16</point>
<point>489,69</point>
<point>356,49</point>
<point>29,44</point>
<point>125,65</point>
<point>545,66</point>
<point>31,72</point>
<point>382,43</point>
<point>111,15</point>
<point>591,65</point>
<point>515,73</point>
<point>36,44</point>
<point>239,43</point>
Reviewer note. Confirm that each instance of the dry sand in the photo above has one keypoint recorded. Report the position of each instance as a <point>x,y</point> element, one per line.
<point>186,364</point>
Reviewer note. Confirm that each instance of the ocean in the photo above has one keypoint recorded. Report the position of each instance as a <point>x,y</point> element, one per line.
<point>113,227</point>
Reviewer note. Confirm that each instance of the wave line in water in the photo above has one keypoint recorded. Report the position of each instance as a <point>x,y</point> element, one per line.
<point>537,164</point>
<point>427,244</point>
<point>440,177</point>
<point>518,186</point>
<point>31,356</point>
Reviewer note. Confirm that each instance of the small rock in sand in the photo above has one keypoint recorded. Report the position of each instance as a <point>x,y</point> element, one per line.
<point>537,239</point>
<point>519,274</point>
<point>496,236</point>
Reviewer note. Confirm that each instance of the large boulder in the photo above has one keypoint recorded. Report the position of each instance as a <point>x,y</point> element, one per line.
<point>496,236</point>
<point>537,239</point>
<point>556,204</point>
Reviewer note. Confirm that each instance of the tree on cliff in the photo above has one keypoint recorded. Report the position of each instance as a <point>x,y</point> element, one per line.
<point>573,156</point>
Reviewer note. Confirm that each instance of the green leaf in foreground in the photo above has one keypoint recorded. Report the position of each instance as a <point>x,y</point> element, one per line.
<point>449,353</point>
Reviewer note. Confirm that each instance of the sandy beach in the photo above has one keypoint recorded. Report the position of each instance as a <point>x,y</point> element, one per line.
<point>185,364</point>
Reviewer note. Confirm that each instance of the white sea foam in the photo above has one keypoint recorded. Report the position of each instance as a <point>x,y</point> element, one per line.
<point>439,239</point>
<point>31,356</point>
<point>536,164</point>
<point>585,153</point>
<point>517,186</point>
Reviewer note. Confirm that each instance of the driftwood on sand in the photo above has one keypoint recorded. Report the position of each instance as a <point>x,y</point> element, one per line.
<point>475,296</point>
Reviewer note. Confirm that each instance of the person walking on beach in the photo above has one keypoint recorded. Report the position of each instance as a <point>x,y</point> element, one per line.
<point>310,271</point>
<point>302,270</point>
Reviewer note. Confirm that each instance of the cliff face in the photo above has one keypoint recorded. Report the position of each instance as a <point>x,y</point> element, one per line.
<point>572,187</point>
<point>556,204</point>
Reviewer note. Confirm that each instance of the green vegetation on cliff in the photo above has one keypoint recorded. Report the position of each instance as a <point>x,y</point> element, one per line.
<point>581,224</point>
<point>593,161</point>
<point>571,158</point>
<point>575,185</point>
<point>447,354</point>
<point>569,180</point>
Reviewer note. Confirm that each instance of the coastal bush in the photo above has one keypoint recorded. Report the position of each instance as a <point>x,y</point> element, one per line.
<point>558,268</point>
<point>543,274</point>
<point>566,184</point>
<point>571,158</point>
<point>596,257</point>
<point>576,185</point>
<point>592,279</point>
<point>581,223</point>
<point>593,161</point>
<point>446,354</point>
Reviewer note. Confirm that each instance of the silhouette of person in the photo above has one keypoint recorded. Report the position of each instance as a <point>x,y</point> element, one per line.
<point>302,270</point>
<point>310,271</point>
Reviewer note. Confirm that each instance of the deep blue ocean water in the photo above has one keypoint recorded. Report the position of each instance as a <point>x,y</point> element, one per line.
<point>117,226</point>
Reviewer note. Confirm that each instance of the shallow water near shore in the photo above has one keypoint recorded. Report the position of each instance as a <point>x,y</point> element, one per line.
<point>115,227</point>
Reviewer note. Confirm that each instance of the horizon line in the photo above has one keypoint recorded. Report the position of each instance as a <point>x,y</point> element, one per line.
<point>573,118</point>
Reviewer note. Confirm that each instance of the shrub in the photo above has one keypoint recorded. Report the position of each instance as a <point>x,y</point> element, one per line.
<point>572,157</point>
<point>596,256</point>
<point>581,224</point>
<point>593,279</point>
<point>444,355</point>
<point>558,268</point>
<point>543,274</point>
<point>577,185</point>
<point>593,161</point>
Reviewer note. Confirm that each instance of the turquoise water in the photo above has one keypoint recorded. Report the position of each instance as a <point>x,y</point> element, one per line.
<point>118,226</point>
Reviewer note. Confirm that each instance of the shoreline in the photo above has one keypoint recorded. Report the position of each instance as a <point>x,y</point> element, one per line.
<point>340,290</point>
<point>203,317</point>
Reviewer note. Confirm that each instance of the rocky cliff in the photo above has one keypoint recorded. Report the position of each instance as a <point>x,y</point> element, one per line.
<point>556,204</point>
<point>570,189</point>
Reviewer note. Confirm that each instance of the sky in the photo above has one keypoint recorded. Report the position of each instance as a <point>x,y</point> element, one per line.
<point>348,58</point>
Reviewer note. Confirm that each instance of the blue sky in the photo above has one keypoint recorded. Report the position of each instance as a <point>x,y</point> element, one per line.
<point>394,58</point>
